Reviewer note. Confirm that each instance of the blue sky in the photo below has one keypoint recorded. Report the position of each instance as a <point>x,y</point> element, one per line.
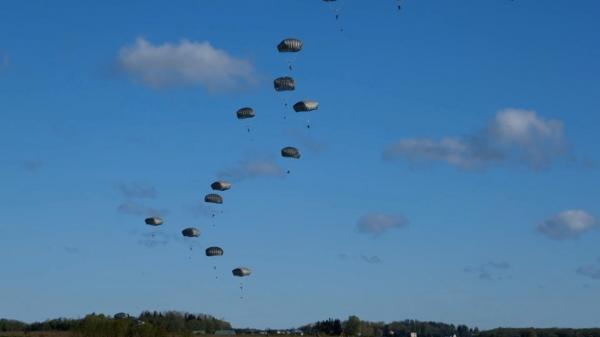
<point>450,173</point>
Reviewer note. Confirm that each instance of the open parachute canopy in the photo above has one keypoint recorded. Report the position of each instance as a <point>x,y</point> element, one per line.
<point>290,152</point>
<point>191,232</point>
<point>304,106</point>
<point>220,186</point>
<point>285,83</point>
<point>245,113</point>
<point>213,198</point>
<point>214,251</point>
<point>241,272</point>
<point>290,46</point>
<point>154,221</point>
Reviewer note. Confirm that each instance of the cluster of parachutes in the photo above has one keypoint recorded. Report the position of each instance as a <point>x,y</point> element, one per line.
<point>193,232</point>
<point>280,84</point>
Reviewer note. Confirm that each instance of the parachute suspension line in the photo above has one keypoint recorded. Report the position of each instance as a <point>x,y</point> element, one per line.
<point>335,8</point>
<point>241,291</point>
<point>291,61</point>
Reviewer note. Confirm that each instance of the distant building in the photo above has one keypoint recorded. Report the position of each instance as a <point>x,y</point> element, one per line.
<point>413,334</point>
<point>225,333</point>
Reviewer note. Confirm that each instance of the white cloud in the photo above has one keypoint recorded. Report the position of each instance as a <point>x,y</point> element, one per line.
<point>378,223</point>
<point>567,224</point>
<point>513,135</point>
<point>186,63</point>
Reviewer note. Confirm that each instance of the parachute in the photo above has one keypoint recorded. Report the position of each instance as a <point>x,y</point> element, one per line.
<point>191,232</point>
<point>220,186</point>
<point>213,198</point>
<point>244,113</point>
<point>304,106</point>
<point>214,251</point>
<point>241,272</point>
<point>284,84</point>
<point>290,152</point>
<point>154,221</point>
<point>290,46</point>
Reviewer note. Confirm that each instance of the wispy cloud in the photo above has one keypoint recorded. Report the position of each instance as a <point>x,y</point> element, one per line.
<point>4,60</point>
<point>137,190</point>
<point>252,168</point>
<point>71,250</point>
<point>155,239</point>
<point>203,210</point>
<point>371,259</point>
<point>493,270</point>
<point>133,208</point>
<point>513,135</point>
<point>32,165</point>
<point>186,63</point>
<point>567,225</point>
<point>590,270</point>
<point>307,141</point>
<point>379,223</point>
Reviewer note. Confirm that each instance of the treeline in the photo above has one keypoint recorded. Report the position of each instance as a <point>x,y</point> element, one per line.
<point>353,326</point>
<point>533,332</point>
<point>11,325</point>
<point>147,324</point>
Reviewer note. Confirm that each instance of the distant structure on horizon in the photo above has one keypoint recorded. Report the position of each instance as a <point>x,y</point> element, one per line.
<point>413,334</point>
